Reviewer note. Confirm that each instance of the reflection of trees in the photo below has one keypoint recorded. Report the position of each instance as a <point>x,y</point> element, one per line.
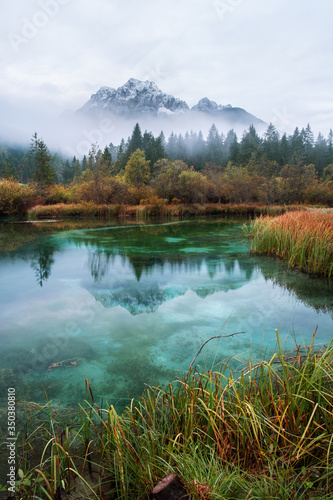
<point>42,261</point>
<point>312,291</point>
<point>180,250</point>
<point>189,246</point>
<point>37,250</point>
<point>99,263</point>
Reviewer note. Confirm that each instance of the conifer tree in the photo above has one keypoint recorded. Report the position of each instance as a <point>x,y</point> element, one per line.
<point>40,160</point>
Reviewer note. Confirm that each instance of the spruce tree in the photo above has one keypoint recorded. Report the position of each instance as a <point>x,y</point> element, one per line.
<point>40,160</point>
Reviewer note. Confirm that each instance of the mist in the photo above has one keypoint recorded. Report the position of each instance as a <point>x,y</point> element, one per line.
<point>272,59</point>
<point>72,134</point>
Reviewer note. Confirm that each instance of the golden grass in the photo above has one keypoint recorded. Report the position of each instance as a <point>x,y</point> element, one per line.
<point>304,239</point>
<point>91,209</point>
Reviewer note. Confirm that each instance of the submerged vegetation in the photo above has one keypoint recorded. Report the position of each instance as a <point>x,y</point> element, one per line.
<point>260,431</point>
<point>303,239</point>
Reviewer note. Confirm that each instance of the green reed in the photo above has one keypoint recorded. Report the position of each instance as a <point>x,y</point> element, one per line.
<point>303,239</point>
<point>262,431</point>
<point>272,424</point>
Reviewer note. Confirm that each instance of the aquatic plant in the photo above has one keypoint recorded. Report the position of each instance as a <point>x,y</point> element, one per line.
<point>302,239</point>
<point>262,432</point>
<point>153,206</point>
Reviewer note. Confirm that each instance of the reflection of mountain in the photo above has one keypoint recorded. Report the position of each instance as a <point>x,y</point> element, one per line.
<point>119,283</point>
<point>136,299</point>
<point>154,258</point>
<point>141,268</point>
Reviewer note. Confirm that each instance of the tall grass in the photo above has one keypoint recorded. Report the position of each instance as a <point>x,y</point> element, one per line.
<point>152,207</point>
<point>272,423</point>
<point>303,239</point>
<point>265,431</point>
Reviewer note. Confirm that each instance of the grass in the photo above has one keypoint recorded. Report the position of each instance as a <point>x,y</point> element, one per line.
<point>155,208</point>
<point>303,239</point>
<point>262,432</point>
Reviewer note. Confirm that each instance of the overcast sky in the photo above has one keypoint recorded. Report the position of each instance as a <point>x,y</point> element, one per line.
<point>271,57</point>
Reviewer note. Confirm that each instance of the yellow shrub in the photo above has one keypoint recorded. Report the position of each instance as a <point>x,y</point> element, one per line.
<point>15,198</point>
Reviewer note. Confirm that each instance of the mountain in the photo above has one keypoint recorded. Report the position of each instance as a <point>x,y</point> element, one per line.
<point>226,113</point>
<point>138,99</point>
<point>134,98</point>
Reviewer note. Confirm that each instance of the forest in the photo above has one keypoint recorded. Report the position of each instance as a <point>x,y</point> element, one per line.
<point>187,169</point>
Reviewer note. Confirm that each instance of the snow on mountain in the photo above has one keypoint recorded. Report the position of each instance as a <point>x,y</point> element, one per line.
<point>142,101</point>
<point>207,106</point>
<point>135,97</point>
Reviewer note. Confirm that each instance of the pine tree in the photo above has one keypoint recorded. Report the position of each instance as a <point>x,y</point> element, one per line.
<point>84,163</point>
<point>107,159</point>
<point>308,143</point>
<point>271,144</point>
<point>214,148</point>
<point>68,172</point>
<point>249,146</point>
<point>297,146</point>
<point>320,154</point>
<point>330,147</point>
<point>77,170</point>
<point>284,150</point>
<point>171,148</point>
<point>40,159</point>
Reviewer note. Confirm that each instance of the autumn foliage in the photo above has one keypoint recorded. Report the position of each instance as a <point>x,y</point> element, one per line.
<point>304,239</point>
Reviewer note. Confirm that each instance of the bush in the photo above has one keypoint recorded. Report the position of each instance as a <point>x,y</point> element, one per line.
<point>15,198</point>
<point>319,194</point>
<point>136,194</point>
<point>111,190</point>
<point>57,194</point>
<point>154,205</point>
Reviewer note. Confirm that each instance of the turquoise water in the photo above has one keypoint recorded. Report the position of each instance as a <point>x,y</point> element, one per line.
<point>130,305</point>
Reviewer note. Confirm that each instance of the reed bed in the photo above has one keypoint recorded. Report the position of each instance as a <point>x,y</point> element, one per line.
<point>263,431</point>
<point>90,209</point>
<point>303,239</point>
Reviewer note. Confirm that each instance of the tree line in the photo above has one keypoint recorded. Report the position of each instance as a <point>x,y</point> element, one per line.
<point>271,169</point>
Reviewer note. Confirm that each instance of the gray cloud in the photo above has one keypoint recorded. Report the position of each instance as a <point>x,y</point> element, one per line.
<point>272,58</point>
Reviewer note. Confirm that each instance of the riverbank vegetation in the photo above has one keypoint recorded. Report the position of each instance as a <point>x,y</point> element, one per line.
<point>245,431</point>
<point>155,207</point>
<point>241,430</point>
<point>303,239</point>
<point>188,170</point>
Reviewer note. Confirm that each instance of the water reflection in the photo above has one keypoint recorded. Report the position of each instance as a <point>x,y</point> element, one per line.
<point>131,305</point>
<point>42,261</point>
<point>133,266</point>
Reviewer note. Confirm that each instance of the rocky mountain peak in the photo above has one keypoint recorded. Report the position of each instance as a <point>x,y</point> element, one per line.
<point>135,97</point>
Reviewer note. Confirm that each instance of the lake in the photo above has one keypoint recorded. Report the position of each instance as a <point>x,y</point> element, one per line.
<point>125,304</point>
